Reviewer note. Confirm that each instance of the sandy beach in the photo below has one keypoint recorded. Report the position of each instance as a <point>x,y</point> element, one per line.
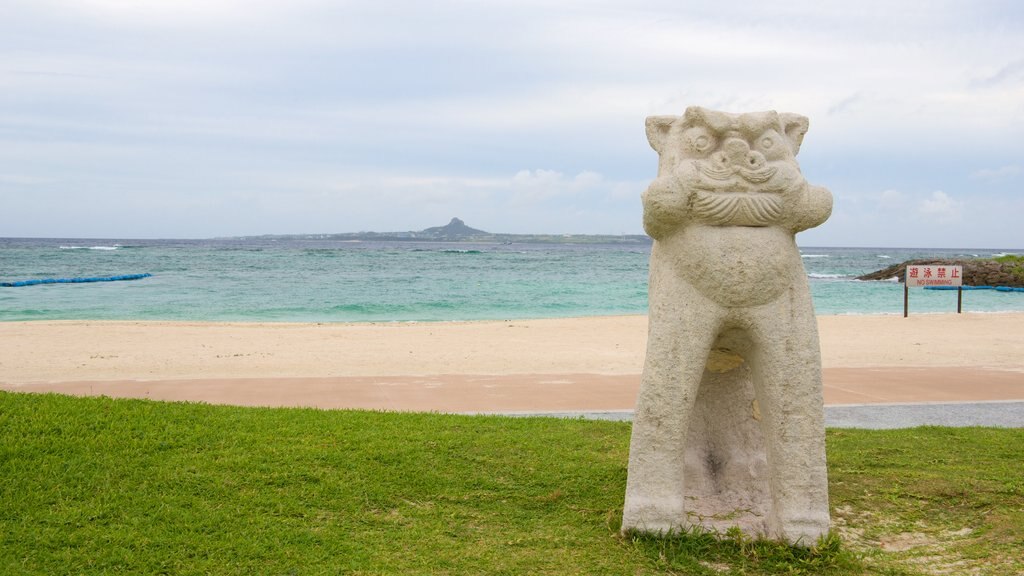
<point>492,366</point>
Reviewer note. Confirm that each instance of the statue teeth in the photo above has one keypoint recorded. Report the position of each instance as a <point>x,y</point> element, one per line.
<point>753,176</point>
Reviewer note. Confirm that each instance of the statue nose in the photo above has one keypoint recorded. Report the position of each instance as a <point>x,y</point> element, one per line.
<point>739,154</point>
<point>736,150</point>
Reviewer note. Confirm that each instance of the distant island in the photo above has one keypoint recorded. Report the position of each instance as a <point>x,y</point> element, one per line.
<point>458,231</point>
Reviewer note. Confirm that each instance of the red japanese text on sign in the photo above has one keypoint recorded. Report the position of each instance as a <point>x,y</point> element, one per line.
<point>930,275</point>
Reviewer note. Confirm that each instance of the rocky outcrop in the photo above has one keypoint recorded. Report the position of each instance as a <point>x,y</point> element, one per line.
<point>977,271</point>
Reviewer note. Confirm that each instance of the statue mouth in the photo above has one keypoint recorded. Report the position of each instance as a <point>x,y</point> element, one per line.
<point>738,208</point>
<point>730,172</point>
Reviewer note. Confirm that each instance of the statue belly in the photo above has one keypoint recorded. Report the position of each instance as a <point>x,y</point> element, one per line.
<point>735,266</point>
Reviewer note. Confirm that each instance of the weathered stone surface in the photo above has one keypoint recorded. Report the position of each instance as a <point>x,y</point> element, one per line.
<point>729,429</point>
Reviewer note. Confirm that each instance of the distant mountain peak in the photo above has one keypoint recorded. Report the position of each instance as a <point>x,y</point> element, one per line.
<point>454,229</point>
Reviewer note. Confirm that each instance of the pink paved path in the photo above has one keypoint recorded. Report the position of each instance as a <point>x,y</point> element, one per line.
<point>533,392</point>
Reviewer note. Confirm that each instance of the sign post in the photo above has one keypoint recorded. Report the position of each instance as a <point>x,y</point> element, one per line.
<point>933,275</point>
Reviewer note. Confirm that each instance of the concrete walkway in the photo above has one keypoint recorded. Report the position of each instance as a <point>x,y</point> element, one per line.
<point>998,413</point>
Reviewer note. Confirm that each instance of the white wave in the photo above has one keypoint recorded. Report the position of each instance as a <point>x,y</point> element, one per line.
<point>884,256</point>
<point>115,247</point>
<point>895,279</point>
<point>819,275</point>
<point>814,256</point>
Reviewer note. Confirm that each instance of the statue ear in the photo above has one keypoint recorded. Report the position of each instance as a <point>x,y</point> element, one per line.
<point>795,126</point>
<point>657,130</point>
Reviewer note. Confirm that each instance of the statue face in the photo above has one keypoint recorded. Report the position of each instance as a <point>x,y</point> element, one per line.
<point>740,168</point>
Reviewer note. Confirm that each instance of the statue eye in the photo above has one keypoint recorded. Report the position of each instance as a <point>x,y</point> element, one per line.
<point>767,142</point>
<point>698,141</point>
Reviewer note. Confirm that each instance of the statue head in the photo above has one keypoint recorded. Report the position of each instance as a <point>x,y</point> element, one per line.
<point>741,169</point>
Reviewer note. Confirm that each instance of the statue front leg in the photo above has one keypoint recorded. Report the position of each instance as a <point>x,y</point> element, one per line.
<point>666,207</point>
<point>787,380</point>
<point>683,326</point>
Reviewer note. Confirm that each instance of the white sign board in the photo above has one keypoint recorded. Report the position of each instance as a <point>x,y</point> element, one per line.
<point>934,275</point>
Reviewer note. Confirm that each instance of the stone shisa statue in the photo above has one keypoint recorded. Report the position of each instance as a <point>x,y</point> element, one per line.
<point>729,427</point>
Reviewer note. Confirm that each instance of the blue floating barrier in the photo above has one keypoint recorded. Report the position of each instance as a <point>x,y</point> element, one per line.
<point>963,287</point>
<point>36,281</point>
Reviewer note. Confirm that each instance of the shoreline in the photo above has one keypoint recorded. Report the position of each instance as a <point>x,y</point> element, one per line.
<point>589,363</point>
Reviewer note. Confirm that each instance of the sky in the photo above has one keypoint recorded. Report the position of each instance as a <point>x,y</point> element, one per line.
<point>210,118</point>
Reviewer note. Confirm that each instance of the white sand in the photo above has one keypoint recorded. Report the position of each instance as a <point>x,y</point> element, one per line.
<point>522,364</point>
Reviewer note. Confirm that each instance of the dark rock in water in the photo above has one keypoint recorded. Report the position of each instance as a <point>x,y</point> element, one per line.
<point>977,271</point>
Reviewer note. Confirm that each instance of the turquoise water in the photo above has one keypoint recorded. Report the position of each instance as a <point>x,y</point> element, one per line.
<point>334,281</point>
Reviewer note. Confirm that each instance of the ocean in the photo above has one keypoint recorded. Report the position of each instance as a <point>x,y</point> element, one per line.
<point>322,280</point>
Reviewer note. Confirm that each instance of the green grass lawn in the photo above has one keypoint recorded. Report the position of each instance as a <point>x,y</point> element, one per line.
<point>100,486</point>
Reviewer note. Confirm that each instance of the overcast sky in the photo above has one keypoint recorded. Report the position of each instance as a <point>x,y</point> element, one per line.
<point>202,118</point>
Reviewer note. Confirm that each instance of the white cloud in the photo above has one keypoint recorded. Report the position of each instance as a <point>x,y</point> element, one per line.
<point>996,174</point>
<point>1012,73</point>
<point>536,200</point>
<point>23,180</point>
<point>941,207</point>
<point>534,186</point>
<point>363,115</point>
<point>891,199</point>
